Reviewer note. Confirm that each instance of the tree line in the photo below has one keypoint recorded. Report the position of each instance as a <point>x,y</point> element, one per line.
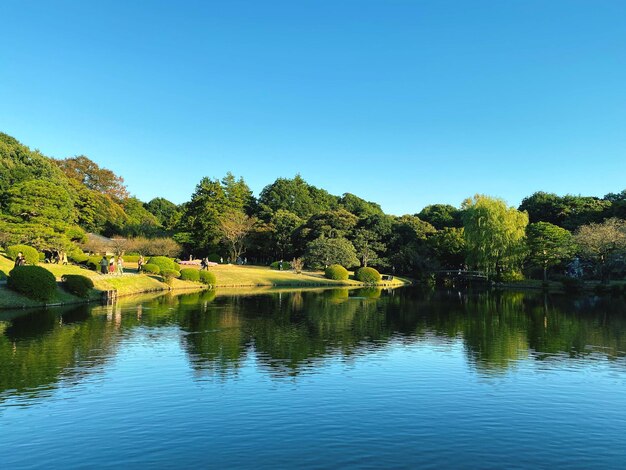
<point>52,204</point>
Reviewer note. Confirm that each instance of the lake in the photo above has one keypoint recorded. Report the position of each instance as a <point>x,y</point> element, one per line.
<point>361,378</point>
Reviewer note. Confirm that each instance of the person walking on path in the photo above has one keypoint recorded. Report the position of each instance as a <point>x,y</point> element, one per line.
<point>120,265</point>
<point>112,265</point>
<point>104,265</point>
<point>140,263</point>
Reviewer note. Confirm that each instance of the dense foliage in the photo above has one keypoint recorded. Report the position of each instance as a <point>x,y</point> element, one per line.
<point>367,275</point>
<point>207,277</point>
<point>164,263</point>
<point>76,284</point>
<point>31,256</point>
<point>34,282</point>
<point>56,205</point>
<point>190,274</point>
<point>336,272</point>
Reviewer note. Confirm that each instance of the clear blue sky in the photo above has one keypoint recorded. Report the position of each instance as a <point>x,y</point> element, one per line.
<point>405,103</point>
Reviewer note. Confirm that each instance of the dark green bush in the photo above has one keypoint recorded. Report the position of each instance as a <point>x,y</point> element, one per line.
<point>93,263</point>
<point>368,275</point>
<point>169,274</point>
<point>34,282</point>
<point>151,269</point>
<point>207,277</point>
<point>77,284</point>
<point>3,275</point>
<point>164,263</point>
<point>601,289</point>
<point>336,272</point>
<point>30,254</point>
<point>572,285</point>
<point>276,265</point>
<point>190,274</point>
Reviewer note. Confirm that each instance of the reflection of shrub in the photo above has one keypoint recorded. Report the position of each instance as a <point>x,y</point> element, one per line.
<point>572,284</point>
<point>369,292</point>
<point>207,277</point>
<point>77,285</point>
<point>276,265</point>
<point>32,281</point>
<point>336,272</point>
<point>151,269</point>
<point>368,275</point>
<point>30,254</point>
<point>189,274</point>
<point>164,263</point>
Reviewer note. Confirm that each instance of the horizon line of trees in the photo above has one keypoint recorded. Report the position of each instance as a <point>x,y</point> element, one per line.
<point>51,205</point>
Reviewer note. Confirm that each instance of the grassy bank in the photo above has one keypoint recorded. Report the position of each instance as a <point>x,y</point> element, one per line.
<point>132,283</point>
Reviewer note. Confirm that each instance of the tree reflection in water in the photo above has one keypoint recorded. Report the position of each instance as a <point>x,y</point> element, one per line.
<point>290,332</point>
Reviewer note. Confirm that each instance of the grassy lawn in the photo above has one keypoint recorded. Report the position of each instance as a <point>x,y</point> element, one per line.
<point>131,283</point>
<point>243,276</point>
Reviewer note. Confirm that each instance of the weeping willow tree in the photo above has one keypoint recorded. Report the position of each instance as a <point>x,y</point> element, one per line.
<point>494,236</point>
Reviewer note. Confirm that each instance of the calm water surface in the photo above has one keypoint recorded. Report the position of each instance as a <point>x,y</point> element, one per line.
<point>324,379</point>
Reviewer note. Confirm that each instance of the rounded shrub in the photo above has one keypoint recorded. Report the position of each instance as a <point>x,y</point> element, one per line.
<point>131,258</point>
<point>163,262</point>
<point>151,269</point>
<point>190,274</point>
<point>169,274</point>
<point>367,275</point>
<point>336,272</point>
<point>30,254</point>
<point>77,284</point>
<point>276,265</point>
<point>34,282</point>
<point>207,277</point>
<point>93,263</point>
<point>79,258</point>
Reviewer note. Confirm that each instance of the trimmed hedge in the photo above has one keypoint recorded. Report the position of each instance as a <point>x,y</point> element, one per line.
<point>30,254</point>
<point>190,274</point>
<point>164,263</point>
<point>169,274</point>
<point>34,282</point>
<point>336,272</point>
<point>151,269</point>
<point>207,277</point>
<point>79,258</point>
<point>77,284</point>
<point>276,265</point>
<point>367,275</point>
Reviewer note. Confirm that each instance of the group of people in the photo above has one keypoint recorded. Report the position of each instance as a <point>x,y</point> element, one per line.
<point>55,257</point>
<point>110,266</point>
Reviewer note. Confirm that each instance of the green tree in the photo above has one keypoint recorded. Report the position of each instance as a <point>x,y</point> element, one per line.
<point>359,207</point>
<point>548,245</point>
<point>494,235</point>
<point>602,242</point>
<point>323,252</point>
<point>448,247</point>
<point>94,177</point>
<point>284,224</point>
<point>296,196</point>
<point>441,216</point>
<point>167,213</point>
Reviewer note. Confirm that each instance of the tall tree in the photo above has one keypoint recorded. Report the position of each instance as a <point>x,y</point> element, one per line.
<point>235,226</point>
<point>494,235</point>
<point>602,242</point>
<point>323,252</point>
<point>94,177</point>
<point>548,245</point>
<point>441,216</point>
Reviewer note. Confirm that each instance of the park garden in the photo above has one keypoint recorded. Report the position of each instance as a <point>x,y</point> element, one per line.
<point>65,215</point>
